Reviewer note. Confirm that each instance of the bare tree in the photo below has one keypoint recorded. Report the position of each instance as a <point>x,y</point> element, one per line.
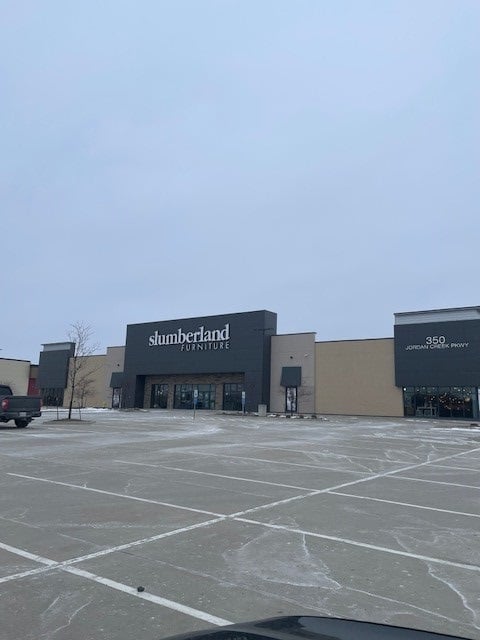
<point>84,389</point>
<point>78,371</point>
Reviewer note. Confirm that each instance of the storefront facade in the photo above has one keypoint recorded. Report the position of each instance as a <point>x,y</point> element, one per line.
<point>437,362</point>
<point>231,362</point>
<point>212,362</point>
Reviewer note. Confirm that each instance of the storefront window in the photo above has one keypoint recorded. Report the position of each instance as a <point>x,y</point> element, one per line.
<point>206,396</point>
<point>442,402</point>
<point>159,396</point>
<point>232,396</point>
<point>183,397</point>
<point>444,405</point>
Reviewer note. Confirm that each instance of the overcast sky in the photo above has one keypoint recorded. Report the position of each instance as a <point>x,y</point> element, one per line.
<point>170,159</point>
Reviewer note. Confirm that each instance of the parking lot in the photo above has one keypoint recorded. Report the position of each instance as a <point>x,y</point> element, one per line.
<point>224,519</point>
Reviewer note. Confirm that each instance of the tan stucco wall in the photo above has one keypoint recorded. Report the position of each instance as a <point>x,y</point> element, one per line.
<point>356,377</point>
<point>293,350</point>
<point>94,368</point>
<point>114,361</point>
<point>15,374</point>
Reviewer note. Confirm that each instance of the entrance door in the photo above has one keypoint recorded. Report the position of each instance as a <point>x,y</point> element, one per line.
<point>291,399</point>
<point>206,396</point>
<point>183,398</point>
<point>159,396</point>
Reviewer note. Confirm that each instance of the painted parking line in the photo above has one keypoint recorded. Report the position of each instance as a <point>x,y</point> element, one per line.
<point>216,475</point>
<point>330,454</point>
<point>118,586</point>
<point>96,554</point>
<point>449,484</point>
<point>317,466</point>
<point>27,555</point>
<point>25,574</point>
<point>405,504</point>
<point>48,564</point>
<point>383,474</point>
<point>364,545</point>
<point>168,504</point>
<point>117,495</point>
<point>150,597</point>
<point>290,464</point>
<point>370,443</point>
<point>276,503</point>
<point>137,543</point>
<point>446,466</point>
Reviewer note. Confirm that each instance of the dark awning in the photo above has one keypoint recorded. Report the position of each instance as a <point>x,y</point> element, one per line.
<point>291,377</point>
<point>116,380</point>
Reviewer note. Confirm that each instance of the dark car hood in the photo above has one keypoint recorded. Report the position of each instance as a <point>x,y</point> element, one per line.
<point>313,628</point>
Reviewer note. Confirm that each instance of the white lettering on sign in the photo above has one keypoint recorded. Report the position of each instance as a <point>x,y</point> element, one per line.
<point>436,342</point>
<point>209,346</point>
<point>200,340</point>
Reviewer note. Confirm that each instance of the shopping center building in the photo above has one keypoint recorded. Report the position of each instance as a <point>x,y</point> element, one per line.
<point>430,368</point>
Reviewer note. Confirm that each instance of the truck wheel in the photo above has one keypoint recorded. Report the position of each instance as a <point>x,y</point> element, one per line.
<point>21,423</point>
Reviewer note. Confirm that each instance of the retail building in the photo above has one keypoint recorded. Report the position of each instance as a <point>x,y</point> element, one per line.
<point>437,362</point>
<point>233,362</point>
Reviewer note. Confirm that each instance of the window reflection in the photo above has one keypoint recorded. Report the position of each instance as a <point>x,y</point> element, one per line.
<point>159,396</point>
<point>441,402</point>
<point>183,396</point>
<point>232,396</point>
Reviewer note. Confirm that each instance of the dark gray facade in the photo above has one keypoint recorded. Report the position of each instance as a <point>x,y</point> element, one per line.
<point>226,344</point>
<point>53,365</point>
<point>438,353</point>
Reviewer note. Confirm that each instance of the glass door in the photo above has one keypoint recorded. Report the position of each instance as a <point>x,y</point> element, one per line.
<point>159,396</point>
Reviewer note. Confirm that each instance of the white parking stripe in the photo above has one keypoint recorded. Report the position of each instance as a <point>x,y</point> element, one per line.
<point>27,555</point>
<point>331,454</point>
<point>118,586</point>
<point>364,545</point>
<point>376,476</point>
<point>137,543</point>
<point>117,495</point>
<point>446,466</point>
<point>164,602</point>
<point>319,466</point>
<point>24,574</point>
<point>290,464</point>
<point>405,504</point>
<point>96,554</point>
<point>343,485</point>
<point>216,475</point>
<point>449,484</point>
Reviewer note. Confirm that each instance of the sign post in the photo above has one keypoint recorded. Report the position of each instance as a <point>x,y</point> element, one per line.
<point>243,402</point>
<point>195,400</point>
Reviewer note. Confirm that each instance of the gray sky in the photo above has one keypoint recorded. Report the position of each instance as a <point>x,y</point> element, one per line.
<point>171,159</point>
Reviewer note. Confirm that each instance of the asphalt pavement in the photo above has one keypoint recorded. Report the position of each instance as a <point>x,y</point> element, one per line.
<point>226,518</point>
